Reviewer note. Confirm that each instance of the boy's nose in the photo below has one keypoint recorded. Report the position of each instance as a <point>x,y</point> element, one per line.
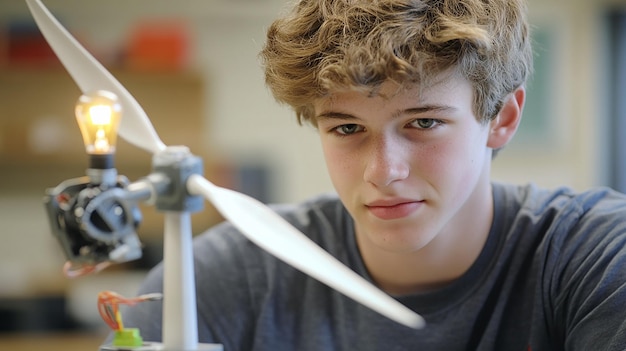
<point>387,162</point>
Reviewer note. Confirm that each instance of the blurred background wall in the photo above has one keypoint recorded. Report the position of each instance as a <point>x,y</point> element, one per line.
<point>252,143</point>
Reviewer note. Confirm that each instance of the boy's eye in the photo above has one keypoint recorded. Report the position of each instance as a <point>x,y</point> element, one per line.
<point>425,123</point>
<point>347,129</point>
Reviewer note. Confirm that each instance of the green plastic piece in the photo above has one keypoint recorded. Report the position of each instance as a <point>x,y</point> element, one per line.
<point>127,337</point>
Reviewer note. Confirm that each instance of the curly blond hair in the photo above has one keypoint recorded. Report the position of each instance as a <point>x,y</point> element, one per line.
<point>323,46</point>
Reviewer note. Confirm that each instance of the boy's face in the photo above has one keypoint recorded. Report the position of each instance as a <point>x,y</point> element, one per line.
<point>410,166</point>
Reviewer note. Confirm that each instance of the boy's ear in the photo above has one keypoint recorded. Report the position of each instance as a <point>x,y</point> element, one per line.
<point>503,127</point>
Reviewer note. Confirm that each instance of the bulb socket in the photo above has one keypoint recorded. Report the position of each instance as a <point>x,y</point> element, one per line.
<point>101,161</point>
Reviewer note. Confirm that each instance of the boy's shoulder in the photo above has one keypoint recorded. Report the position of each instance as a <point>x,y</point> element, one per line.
<point>563,219</point>
<point>326,205</point>
<point>323,214</point>
<point>538,201</point>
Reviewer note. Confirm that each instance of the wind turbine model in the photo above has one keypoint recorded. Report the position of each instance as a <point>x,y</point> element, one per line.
<point>94,217</point>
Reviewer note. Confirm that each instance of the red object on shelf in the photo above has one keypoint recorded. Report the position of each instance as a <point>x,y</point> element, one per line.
<point>25,45</point>
<point>158,45</point>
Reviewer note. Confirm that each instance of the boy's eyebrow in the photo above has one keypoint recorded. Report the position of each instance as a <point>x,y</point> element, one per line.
<point>409,111</point>
<point>426,109</point>
<point>334,115</point>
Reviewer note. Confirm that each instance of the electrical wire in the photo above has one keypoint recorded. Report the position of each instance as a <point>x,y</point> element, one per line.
<point>72,270</point>
<point>108,306</point>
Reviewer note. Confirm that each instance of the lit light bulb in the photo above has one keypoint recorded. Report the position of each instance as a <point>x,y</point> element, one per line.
<point>98,114</point>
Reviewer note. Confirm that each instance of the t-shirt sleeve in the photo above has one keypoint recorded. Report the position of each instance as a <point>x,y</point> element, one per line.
<point>589,286</point>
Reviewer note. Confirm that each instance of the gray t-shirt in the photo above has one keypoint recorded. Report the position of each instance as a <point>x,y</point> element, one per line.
<point>552,276</point>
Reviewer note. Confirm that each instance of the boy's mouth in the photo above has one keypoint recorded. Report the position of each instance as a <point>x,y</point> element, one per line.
<point>393,208</point>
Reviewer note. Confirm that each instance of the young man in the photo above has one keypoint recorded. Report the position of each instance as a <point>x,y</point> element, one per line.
<point>411,99</point>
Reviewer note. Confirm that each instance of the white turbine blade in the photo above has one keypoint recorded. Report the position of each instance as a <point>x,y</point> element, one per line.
<point>90,75</point>
<point>272,233</point>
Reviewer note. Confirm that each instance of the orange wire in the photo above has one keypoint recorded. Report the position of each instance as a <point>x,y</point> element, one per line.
<point>108,306</point>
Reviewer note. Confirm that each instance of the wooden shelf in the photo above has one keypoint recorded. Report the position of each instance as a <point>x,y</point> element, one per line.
<point>37,123</point>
